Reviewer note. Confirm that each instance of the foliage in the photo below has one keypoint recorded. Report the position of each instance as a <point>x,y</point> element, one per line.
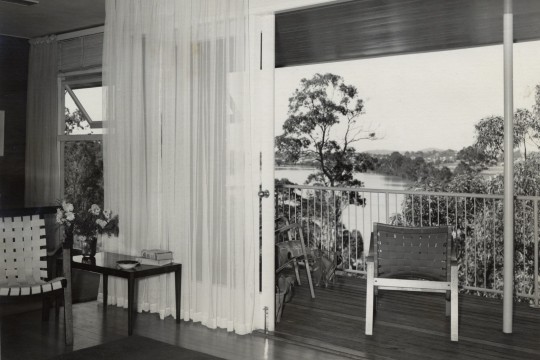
<point>74,120</point>
<point>319,213</point>
<point>472,159</point>
<point>83,173</point>
<point>316,107</point>
<point>479,224</point>
<point>87,222</point>
<point>416,169</point>
<point>83,176</point>
<point>490,133</point>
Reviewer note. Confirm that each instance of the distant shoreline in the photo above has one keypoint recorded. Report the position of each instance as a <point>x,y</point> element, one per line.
<point>294,167</point>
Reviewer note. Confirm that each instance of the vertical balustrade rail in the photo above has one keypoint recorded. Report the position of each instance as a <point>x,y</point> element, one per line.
<point>340,220</point>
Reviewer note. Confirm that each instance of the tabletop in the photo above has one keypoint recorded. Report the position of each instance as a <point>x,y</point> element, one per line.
<point>106,263</point>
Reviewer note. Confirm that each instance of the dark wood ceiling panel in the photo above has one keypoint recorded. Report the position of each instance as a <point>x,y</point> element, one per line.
<point>370,28</point>
<point>50,17</point>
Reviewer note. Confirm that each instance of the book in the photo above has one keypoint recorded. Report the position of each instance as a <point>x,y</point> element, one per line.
<point>145,261</point>
<point>157,254</point>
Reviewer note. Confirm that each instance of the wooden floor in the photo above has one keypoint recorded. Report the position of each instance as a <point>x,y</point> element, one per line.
<point>25,337</point>
<point>407,325</point>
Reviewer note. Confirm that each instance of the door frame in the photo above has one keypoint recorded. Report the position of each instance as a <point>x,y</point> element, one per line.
<point>262,84</point>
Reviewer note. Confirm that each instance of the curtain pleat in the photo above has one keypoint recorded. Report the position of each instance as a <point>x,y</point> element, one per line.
<point>175,149</point>
<point>42,176</point>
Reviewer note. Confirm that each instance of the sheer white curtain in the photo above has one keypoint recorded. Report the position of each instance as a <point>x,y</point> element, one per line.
<point>42,179</point>
<point>177,153</point>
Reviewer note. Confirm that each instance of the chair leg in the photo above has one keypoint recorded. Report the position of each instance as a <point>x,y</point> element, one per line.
<point>369,298</point>
<point>45,307</point>
<point>310,281</point>
<point>448,302</point>
<point>295,263</point>
<point>68,317</point>
<point>454,303</point>
<point>57,304</point>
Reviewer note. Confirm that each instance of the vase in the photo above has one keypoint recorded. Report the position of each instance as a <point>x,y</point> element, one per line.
<point>88,246</point>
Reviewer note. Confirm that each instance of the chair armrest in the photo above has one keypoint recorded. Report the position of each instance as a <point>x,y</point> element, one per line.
<point>371,252</point>
<point>287,228</point>
<point>54,252</point>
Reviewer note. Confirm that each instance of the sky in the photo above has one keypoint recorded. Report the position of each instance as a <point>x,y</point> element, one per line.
<point>92,100</point>
<point>428,100</point>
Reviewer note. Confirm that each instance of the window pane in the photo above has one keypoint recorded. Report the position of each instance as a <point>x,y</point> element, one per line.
<point>83,175</point>
<point>92,100</point>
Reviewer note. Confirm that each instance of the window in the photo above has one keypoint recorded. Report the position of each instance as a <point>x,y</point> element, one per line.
<point>80,139</point>
<point>83,110</point>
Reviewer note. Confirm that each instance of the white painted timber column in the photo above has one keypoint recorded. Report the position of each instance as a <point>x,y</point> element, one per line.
<point>508,292</point>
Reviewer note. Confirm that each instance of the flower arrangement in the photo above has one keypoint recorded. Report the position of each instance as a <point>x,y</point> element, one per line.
<point>89,223</point>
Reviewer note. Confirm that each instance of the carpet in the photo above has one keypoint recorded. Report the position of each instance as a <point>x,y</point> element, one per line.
<point>135,348</point>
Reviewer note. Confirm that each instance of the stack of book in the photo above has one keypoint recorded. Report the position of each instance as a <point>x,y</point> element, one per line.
<point>155,257</point>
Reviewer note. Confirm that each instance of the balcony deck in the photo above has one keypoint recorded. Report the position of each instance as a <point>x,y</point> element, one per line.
<point>407,325</point>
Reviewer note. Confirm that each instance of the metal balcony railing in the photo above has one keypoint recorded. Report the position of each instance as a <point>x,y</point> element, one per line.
<point>340,220</point>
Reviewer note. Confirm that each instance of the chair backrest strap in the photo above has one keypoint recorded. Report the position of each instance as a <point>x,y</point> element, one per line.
<point>22,250</point>
<point>412,252</point>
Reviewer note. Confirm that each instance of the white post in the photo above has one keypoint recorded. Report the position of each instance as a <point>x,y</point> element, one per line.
<point>508,170</point>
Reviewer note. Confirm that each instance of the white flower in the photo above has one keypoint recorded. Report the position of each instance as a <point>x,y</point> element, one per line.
<point>107,214</point>
<point>70,216</point>
<point>101,223</point>
<point>94,209</point>
<point>67,206</point>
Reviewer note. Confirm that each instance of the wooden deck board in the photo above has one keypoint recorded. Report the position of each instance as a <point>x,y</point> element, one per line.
<point>408,325</point>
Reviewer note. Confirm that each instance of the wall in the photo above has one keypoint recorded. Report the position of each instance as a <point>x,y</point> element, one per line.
<point>14,53</point>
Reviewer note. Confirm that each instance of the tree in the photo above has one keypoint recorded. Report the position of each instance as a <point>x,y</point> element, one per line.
<point>490,133</point>
<point>74,120</point>
<point>83,167</point>
<point>315,110</point>
<point>471,159</point>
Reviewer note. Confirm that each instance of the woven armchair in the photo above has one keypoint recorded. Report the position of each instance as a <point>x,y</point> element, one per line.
<point>412,259</point>
<point>23,261</point>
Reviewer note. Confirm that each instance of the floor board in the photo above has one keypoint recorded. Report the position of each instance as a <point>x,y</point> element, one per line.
<point>407,325</point>
<point>25,336</point>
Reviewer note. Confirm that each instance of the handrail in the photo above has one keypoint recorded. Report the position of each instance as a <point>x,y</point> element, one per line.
<point>408,192</point>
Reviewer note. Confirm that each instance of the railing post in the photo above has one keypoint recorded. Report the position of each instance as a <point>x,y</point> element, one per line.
<point>535,277</point>
<point>387,205</point>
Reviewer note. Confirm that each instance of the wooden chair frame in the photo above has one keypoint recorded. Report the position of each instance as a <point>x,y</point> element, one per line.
<point>417,250</point>
<point>24,261</point>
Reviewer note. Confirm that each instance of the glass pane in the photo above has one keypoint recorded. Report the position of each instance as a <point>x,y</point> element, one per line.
<point>92,101</point>
<point>83,173</point>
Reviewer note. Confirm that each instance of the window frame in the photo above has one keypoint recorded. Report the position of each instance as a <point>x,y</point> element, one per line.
<point>80,79</point>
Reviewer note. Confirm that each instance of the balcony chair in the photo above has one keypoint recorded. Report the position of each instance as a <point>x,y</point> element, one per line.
<point>24,261</point>
<point>412,259</point>
<point>290,249</point>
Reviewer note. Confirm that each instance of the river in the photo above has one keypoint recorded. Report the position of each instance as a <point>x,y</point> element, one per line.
<point>370,180</point>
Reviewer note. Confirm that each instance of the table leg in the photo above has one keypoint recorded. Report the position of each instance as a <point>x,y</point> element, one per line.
<point>131,295</point>
<point>178,291</point>
<point>68,308</point>
<point>105,291</point>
